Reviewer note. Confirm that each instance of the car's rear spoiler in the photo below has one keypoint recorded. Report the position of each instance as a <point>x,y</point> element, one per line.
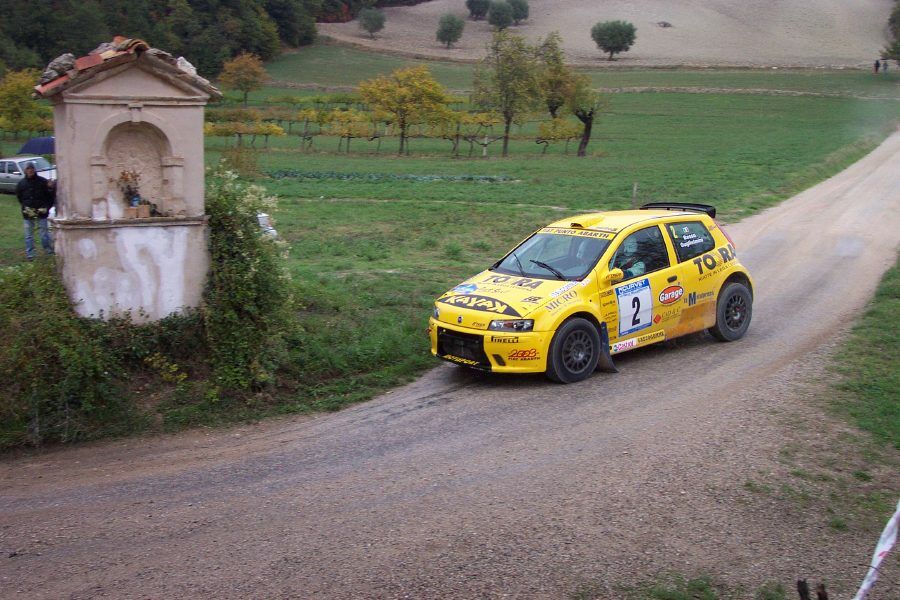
<point>688,206</point>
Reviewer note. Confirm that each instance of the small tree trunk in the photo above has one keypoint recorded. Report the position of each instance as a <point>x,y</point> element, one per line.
<point>588,119</point>
<point>245,99</point>
<point>610,55</point>
<point>506,127</point>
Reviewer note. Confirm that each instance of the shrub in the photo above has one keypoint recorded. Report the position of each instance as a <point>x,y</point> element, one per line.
<point>500,15</point>
<point>371,20</point>
<point>478,8</point>
<point>520,10</point>
<point>613,36</point>
<point>450,29</point>
<point>246,308</point>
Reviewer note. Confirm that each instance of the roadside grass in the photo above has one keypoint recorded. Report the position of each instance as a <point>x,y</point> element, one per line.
<point>849,474</point>
<point>331,64</point>
<point>675,586</point>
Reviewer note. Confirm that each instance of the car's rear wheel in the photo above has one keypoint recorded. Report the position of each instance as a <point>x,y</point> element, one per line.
<point>734,308</point>
<point>574,351</point>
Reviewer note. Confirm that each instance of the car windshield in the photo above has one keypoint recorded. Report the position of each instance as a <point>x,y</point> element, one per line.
<point>40,164</point>
<point>553,256</point>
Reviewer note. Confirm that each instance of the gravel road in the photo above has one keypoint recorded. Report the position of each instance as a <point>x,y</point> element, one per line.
<point>463,485</point>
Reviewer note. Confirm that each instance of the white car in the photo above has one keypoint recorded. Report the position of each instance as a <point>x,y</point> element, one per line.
<point>13,169</point>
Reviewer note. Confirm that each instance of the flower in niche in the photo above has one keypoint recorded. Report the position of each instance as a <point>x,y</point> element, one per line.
<point>129,183</point>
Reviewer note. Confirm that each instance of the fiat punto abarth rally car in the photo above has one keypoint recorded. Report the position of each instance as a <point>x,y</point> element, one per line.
<point>582,289</point>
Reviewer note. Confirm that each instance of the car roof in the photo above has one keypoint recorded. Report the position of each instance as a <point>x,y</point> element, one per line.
<point>613,221</point>
<point>21,158</point>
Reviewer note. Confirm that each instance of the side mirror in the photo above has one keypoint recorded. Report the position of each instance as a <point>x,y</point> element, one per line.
<point>615,275</point>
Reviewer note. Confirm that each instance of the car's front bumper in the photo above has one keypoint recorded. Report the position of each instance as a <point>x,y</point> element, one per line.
<point>494,351</point>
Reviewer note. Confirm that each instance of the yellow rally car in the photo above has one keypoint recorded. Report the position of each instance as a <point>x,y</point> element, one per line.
<point>585,288</point>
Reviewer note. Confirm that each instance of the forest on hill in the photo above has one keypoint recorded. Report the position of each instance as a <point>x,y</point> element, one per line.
<point>206,32</point>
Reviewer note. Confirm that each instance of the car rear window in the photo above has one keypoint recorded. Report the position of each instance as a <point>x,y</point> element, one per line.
<point>690,239</point>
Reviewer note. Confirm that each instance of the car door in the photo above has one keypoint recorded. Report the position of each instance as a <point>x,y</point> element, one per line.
<point>13,174</point>
<point>647,299</point>
<point>4,177</point>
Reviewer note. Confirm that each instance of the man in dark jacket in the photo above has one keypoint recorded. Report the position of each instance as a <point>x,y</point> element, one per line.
<point>36,195</point>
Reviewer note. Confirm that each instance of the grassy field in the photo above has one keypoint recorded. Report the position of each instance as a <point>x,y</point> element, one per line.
<point>338,66</point>
<point>370,250</point>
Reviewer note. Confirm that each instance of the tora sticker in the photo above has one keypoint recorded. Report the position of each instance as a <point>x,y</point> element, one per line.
<point>483,303</point>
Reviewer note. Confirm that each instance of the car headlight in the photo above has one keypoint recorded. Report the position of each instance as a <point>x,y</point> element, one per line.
<point>512,325</point>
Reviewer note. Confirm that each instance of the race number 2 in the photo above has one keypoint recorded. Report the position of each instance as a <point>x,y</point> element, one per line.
<point>635,306</point>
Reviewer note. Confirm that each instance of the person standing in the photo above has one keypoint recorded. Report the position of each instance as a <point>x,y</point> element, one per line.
<point>884,64</point>
<point>36,196</point>
<point>876,66</point>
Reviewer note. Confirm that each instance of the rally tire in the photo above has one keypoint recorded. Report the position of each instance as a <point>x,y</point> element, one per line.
<point>574,351</point>
<point>734,308</point>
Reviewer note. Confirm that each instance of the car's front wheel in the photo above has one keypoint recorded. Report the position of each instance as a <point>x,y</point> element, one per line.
<point>574,351</point>
<point>733,311</point>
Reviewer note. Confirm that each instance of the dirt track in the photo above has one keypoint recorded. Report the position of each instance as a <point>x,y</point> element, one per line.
<point>467,486</point>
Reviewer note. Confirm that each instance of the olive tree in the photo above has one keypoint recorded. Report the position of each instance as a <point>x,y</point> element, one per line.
<point>371,20</point>
<point>450,29</point>
<point>478,8</point>
<point>500,15</point>
<point>613,36</point>
<point>520,10</point>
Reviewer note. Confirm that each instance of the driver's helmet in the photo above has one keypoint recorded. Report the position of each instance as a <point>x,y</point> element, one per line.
<point>629,246</point>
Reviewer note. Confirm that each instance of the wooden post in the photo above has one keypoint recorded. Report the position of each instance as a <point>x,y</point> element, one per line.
<point>634,191</point>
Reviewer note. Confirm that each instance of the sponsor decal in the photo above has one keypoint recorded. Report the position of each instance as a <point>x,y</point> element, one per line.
<point>524,282</point>
<point>685,229</point>
<point>651,337</point>
<point>478,325</point>
<point>562,290</point>
<point>695,297</point>
<point>592,233</point>
<point>503,339</point>
<point>657,318</point>
<point>622,346</point>
<point>567,297</point>
<point>608,302</point>
<point>530,354</point>
<point>667,315</point>
<point>671,294</point>
<point>482,303</point>
<point>466,288</point>
<point>635,306</point>
<point>534,299</point>
<point>460,360</point>
<point>606,293</point>
<point>708,262</point>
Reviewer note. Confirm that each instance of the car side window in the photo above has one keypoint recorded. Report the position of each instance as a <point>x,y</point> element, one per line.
<point>690,239</point>
<point>642,252</point>
<point>12,168</point>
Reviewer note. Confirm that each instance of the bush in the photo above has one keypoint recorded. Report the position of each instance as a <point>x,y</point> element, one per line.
<point>520,10</point>
<point>500,15</point>
<point>246,308</point>
<point>478,8</point>
<point>613,36</point>
<point>450,29</point>
<point>371,20</point>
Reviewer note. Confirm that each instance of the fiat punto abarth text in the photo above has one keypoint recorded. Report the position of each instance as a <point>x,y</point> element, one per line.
<point>581,290</point>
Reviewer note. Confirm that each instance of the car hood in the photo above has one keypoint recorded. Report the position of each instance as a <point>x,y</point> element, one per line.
<point>491,295</point>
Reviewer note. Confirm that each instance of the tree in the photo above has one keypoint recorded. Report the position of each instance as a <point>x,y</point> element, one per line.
<point>500,15</point>
<point>585,104</point>
<point>478,8</point>
<point>18,110</point>
<point>409,95</point>
<point>450,29</point>
<point>556,79</point>
<point>519,10</point>
<point>244,73</point>
<point>613,36</point>
<point>506,80</point>
<point>371,20</point>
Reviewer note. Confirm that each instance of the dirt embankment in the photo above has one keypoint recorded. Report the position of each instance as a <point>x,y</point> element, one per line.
<point>732,33</point>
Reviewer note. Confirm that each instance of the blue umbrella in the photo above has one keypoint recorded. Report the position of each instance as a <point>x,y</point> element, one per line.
<point>39,145</point>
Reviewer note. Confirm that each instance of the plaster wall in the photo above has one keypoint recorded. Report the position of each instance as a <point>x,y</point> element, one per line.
<point>149,270</point>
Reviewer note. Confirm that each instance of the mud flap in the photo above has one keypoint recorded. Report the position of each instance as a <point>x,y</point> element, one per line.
<point>605,363</point>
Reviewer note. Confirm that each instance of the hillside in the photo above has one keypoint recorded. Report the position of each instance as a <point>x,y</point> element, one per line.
<point>739,33</point>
